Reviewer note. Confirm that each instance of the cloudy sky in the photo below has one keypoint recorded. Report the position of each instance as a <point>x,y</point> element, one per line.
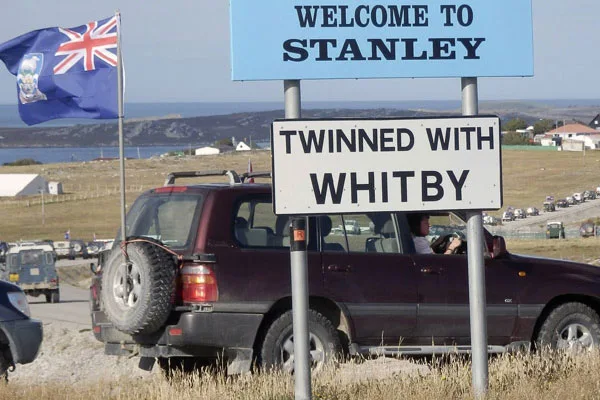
<point>179,51</point>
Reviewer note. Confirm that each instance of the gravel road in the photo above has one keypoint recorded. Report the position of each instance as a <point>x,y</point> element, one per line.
<point>70,354</point>
<point>69,351</point>
<point>571,216</point>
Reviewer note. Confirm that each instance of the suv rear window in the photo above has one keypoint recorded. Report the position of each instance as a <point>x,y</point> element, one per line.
<point>167,217</point>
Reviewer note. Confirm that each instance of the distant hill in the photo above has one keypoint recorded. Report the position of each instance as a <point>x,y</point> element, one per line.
<point>255,125</point>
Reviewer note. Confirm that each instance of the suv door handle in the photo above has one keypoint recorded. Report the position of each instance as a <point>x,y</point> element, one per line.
<point>431,271</point>
<point>339,268</point>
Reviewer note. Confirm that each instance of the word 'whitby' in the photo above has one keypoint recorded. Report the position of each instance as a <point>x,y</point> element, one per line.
<point>386,140</point>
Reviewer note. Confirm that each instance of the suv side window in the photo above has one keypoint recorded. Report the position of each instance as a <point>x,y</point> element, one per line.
<point>255,225</point>
<point>381,233</point>
<point>358,233</point>
<point>331,231</point>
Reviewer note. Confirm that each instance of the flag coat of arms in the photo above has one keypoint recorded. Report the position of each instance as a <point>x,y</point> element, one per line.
<point>65,72</point>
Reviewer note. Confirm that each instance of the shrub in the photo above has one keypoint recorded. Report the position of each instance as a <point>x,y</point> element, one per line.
<point>22,161</point>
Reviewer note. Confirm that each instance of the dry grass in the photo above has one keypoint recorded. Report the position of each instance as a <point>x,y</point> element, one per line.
<point>576,249</point>
<point>92,202</point>
<point>521,376</point>
<point>528,176</point>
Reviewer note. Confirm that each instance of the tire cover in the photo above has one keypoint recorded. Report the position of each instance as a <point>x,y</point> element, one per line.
<point>77,247</point>
<point>152,286</point>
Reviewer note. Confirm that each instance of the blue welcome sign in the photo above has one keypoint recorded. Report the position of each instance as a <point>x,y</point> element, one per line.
<point>317,39</point>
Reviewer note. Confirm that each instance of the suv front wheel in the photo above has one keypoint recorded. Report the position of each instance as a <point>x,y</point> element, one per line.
<point>277,350</point>
<point>570,326</point>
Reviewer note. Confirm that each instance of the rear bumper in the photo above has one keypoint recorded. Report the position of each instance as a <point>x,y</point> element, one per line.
<point>194,334</point>
<point>38,286</point>
<point>25,338</point>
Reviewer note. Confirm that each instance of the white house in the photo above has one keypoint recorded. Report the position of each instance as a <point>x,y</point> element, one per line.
<point>22,185</point>
<point>55,188</point>
<point>241,146</point>
<point>527,132</point>
<point>591,142</point>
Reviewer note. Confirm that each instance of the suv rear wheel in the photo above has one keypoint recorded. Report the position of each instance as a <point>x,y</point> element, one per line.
<point>137,297</point>
<point>277,351</point>
<point>570,326</point>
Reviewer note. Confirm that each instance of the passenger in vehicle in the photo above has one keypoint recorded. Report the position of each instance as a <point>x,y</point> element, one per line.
<point>419,228</point>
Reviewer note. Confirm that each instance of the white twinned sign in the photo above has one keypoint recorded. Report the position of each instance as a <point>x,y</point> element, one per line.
<point>366,165</point>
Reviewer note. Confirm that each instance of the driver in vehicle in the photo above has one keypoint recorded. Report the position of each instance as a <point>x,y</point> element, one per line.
<point>419,228</point>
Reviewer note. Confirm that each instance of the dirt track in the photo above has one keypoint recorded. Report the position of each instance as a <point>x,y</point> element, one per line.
<point>70,354</point>
<point>571,217</point>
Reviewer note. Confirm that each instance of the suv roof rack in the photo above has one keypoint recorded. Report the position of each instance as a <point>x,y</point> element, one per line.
<point>247,175</point>
<point>233,176</point>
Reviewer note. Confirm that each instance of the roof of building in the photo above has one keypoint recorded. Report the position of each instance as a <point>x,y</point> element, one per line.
<point>572,128</point>
<point>22,184</point>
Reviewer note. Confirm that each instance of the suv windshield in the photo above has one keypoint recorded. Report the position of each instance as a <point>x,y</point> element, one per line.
<point>167,217</point>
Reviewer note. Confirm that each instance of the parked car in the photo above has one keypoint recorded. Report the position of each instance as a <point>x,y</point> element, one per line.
<point>598,191</point>
<point>571,200</point>
<point>587,229</point>
<point>562,203</point>
<point>352,226</point>
<point>532,212</point>
<point>549,206</point>
<point>578,197</point>
<point>78,248</point>
<point>218,284</point>
<point>93,248</point>
<point>21,336</point>
<point>555,230</point>
<point>589,195</point>
<point>508,216</point>
<point>520,213</point>
<point>62,248</point>
<point>33,269</point>
<point>490,220</point>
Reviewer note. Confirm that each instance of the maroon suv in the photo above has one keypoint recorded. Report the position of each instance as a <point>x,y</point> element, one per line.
<point>207,274</point>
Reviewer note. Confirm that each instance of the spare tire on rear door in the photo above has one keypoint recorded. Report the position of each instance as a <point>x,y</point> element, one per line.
<point>142,301</point>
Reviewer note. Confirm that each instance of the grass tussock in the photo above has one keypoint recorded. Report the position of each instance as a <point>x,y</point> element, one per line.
<point>511,376</point>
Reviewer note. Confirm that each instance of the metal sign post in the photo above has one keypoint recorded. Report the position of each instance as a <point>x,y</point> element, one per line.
<point>477,300</point>
<point>299,273</point>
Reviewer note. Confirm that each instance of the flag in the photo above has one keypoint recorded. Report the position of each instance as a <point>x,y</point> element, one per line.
<point>250,180</point>
<point>68,234</point>
<point>65,72</point>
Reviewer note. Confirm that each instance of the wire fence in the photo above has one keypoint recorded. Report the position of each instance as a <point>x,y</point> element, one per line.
<point>528,234</point>
<point>72,194</point>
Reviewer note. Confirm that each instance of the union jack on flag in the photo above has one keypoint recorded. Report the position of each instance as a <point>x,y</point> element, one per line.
<point>94,43</point>
<point>66,72</point>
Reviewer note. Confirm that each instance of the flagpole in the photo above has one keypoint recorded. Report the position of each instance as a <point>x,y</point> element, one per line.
<point>120,106</point>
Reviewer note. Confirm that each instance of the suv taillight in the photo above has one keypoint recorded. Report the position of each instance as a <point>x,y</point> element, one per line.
<point>198,284</point>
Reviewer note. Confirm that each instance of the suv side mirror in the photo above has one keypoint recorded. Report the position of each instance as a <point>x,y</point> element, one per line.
<point>93,268</point>
<point>498,247</point>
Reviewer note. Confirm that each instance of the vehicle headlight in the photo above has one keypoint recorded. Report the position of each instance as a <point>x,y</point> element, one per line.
<point>19,301</point>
